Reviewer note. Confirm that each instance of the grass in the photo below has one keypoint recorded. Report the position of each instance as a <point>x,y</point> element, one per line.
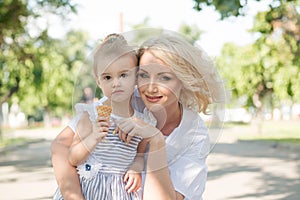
<point>7,141</point>
<point>4,142</point>
<point>278,131</point>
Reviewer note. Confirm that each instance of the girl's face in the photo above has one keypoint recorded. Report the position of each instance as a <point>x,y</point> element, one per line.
<point>158,85</point>
<point>117,81</point>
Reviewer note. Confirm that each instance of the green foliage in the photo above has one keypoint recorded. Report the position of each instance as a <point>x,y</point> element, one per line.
<point>192,32</point>
<point>267,71</point>
<point>260,70</point>
<point>225,8</point>
<point>272,131</point>
<point>6,142</point>
<point>236,7</point>
<point>38,70</point>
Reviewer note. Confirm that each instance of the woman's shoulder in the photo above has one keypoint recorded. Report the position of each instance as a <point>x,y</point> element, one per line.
<point>191,118</point>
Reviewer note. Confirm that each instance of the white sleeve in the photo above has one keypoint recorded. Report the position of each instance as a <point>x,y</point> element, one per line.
<point>73,123</point>
<point>189,172</point>
<point>80,108</point>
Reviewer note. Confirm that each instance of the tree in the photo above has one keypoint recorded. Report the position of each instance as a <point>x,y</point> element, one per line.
<point>16,44</point>
<point>267,71</point>
<point>192,32</point>
<point>57,63</point>
<point>264,73</point>
<point>26,49</point>
<point>233,7</point>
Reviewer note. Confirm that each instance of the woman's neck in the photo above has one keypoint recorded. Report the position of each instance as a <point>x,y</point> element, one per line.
<point>168,119</point>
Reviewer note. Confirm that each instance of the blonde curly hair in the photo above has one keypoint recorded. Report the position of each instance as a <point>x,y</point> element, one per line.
<point>192,66</point>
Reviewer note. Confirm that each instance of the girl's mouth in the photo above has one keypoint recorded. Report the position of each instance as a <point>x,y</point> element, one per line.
<point>117,92</point>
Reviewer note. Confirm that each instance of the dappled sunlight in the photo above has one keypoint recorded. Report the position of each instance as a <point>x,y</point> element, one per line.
<point>253,171</point>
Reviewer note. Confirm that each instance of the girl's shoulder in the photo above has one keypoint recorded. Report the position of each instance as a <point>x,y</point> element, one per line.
<point>81,108</point>
<point>90,108</point>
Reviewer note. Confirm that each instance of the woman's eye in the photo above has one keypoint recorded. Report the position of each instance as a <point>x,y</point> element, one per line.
<point>165,78</point>
<point>143,75</point>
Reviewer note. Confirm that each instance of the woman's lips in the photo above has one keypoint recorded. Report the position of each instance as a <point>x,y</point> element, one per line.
<point>153,99</point>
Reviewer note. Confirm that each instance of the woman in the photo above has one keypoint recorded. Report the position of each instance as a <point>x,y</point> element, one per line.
<point>176,81</point>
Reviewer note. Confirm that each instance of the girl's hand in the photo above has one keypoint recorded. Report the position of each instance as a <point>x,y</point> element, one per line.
<point>132,180</point>
<point>100,128</point>
<point>129,127</point>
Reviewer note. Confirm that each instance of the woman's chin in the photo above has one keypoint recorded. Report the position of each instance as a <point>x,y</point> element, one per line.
<point>155,107</point>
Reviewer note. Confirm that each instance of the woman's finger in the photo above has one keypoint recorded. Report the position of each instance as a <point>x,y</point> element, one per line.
<point>122,135</point>
<point>126,126</point>
<point>116,131</point>
<point>130,135</point>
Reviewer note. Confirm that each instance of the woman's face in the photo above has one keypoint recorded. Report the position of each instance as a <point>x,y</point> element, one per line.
<point>157,84</point>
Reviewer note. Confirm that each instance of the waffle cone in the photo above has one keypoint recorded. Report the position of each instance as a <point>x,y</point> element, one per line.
<point>104,111</point>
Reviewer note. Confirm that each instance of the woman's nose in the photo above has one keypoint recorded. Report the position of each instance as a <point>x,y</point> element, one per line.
<point>152,87</point>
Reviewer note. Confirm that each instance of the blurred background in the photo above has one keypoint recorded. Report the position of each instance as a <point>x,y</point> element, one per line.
<point>45,46</point>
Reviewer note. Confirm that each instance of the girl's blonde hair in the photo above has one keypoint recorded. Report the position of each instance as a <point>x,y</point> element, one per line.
<point>113,47</point>
<point>192,66</point>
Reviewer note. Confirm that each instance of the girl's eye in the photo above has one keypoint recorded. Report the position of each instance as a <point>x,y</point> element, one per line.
<point>124,75</point>
<point>107,78</point>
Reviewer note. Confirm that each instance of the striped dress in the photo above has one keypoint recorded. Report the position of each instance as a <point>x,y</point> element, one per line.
<point>101,175</point>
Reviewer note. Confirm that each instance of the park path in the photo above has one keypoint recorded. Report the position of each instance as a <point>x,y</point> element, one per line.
<point>237,170</point>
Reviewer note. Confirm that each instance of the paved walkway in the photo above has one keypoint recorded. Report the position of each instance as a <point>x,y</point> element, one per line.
<point>237,170</point>
<point>26,170</point>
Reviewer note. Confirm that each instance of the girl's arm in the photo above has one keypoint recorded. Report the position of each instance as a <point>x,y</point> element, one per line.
<point>88,136</point>
<point>65,174</point>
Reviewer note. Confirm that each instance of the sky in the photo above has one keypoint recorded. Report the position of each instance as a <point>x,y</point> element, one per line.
<point>99,18</point>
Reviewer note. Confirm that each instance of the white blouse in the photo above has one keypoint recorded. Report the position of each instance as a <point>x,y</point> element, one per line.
<point>187,149</point>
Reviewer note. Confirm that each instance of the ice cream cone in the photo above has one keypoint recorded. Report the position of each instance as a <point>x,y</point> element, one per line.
<point>104,111</point>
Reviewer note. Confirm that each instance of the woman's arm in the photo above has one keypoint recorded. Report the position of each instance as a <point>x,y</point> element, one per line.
<point>65,174</point>
<point>158,184</point>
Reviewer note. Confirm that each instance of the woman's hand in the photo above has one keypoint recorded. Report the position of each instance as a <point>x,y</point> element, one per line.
<point>129,127</point>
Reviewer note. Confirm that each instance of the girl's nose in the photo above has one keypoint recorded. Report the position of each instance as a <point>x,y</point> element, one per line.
<point>116,82</point>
